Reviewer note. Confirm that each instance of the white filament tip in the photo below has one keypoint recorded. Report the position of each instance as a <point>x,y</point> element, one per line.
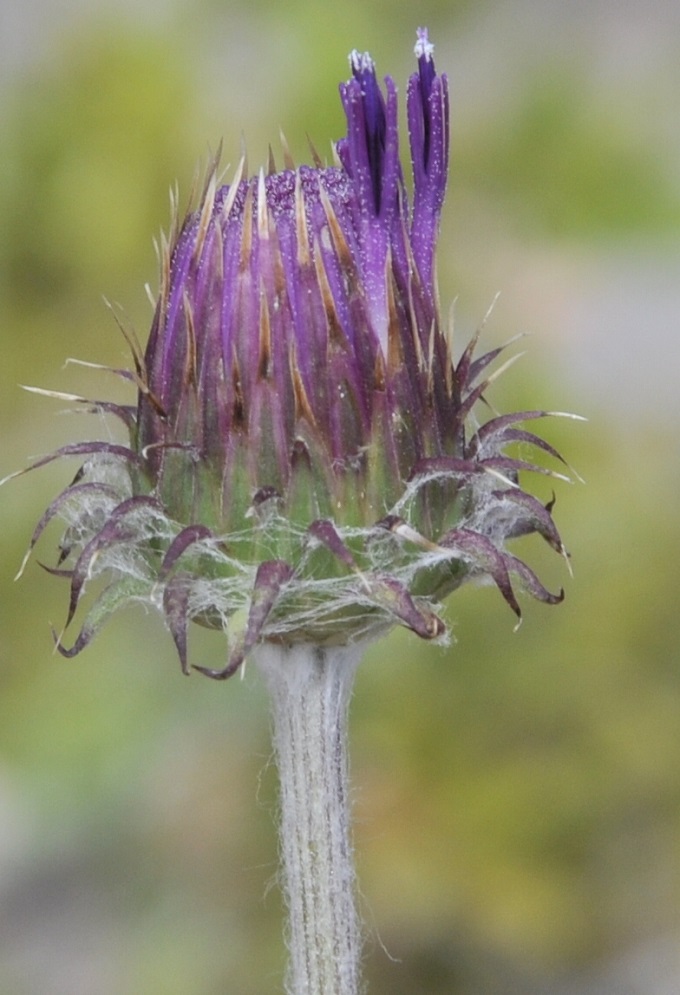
<point>423,47</point>
<point>360,61</point>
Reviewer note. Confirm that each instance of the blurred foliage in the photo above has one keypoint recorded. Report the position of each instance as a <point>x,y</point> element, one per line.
<point>94,144</point>
<point>568,154</point>
<point>517,798</point>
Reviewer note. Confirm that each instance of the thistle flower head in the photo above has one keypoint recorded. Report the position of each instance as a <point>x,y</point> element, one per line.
<point>302,453</point>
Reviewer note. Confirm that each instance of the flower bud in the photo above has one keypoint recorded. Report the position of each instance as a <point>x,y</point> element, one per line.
<point>302,455</point>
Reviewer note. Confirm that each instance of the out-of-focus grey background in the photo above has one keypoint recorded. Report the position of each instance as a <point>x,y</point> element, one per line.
<point>517,796</point>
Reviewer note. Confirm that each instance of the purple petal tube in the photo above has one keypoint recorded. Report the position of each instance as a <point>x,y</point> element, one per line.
<point>428,127</point>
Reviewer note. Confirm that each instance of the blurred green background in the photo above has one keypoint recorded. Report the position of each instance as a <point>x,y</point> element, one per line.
<point>517,796</point>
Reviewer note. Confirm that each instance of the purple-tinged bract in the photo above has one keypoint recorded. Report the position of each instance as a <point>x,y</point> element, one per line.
<point>302,454</point>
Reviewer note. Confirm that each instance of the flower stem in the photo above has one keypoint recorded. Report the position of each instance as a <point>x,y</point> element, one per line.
<point>310,689</point>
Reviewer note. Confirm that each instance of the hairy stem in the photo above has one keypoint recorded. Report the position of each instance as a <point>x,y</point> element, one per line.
<point>310,688</point>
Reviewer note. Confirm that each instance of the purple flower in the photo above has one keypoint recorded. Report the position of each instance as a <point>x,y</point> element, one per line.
<point>302,450</point>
